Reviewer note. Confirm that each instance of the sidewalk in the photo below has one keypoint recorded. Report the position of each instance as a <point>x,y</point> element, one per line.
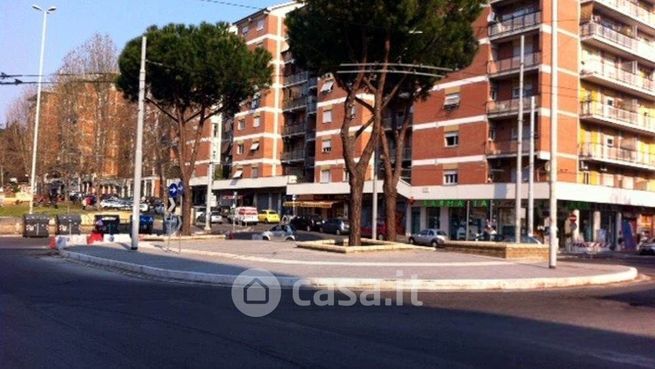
<point>219,262</point>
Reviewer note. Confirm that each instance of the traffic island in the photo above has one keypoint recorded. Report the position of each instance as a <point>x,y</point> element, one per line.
<point>368,245</point>
<point>511,251</point>
<point>220,263</point>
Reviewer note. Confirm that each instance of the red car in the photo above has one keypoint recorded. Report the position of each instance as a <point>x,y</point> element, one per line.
<point>367,231</point>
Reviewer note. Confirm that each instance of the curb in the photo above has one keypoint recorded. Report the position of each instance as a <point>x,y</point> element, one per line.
<point>629,274</point>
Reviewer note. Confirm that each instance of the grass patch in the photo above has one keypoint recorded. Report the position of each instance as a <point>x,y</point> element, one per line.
<point>20,210</point>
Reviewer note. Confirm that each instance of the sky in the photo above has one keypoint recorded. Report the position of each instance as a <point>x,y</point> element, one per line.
<point>75,21</point>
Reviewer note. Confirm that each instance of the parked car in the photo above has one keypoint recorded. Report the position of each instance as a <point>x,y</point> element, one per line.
<point>268,216</point>
<point>431,237</point>
<point>246,215</point>
<point>214,218</point>
<point>336,225</point>
<point>110,203</point>
<point>367,231</point>
<point>281,232</point>
<point>307,222</point>
<point>647,247</point>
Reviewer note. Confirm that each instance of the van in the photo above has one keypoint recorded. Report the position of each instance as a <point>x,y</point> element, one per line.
<point>246,215</point>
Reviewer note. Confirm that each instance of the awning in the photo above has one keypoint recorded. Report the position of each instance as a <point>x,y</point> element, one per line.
<point>327,86</point>
<point>254,146</point>
<point>309,204</point>
<point>238,174</point>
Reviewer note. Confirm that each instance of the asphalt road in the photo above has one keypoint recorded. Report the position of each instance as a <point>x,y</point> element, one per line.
<point>56,314</point>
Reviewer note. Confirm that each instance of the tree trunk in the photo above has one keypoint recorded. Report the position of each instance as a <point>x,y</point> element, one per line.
<point>186,207</point>
<point>355,211</point>
<point>390,201</point>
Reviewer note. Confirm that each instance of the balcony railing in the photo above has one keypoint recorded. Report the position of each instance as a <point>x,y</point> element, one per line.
<point>508,107</point>
<point>506,147</point>
<point>636,47</point>
<point>295,129</point>
<point>407,154</point>
<point>389,121</point>
<point>611,113</point>
<point>294,155</point>
<point>619,75</point>
<point>514,24</point>
<point>513,64</point>
<point>296,102</point>
<point>631,9</point>
<point>296,78</point>
<point>616,154</point>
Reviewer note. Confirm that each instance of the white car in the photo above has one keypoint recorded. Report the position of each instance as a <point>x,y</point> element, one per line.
<point>647,247</point>
<point>431,237</point>
<point>282,232</point>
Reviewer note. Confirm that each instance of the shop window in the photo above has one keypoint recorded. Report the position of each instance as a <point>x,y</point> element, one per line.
<point>433,215</point>
<point>450,177</point>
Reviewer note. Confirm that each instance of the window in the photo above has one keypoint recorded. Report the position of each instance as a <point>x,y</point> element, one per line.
<point>254,172</point>
<point>327,116</point>
<point>609,141</point>
<point>452,139</point>
<point>527,90</point>
<point>245,30</point>
<point>326,145</point>
<point>254,146</point>
<point>242,124</point>
<point>586,178</point>
<point>215,128</point>
<point>526,132</point>
<point>255,101</point>
<point>255,122</point>
<point>327,86</point>
<point>492,134</point>
<point>260,25</point>
<point>326,176</point>
<point>346,175</point>
<point>450,177</point>
<point>451,101</point>
<point>240,149</point>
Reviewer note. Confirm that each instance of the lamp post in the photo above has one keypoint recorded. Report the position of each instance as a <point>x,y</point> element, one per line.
<point>38,103</point>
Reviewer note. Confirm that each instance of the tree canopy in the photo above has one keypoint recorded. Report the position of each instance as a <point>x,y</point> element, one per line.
<point>195,67</point>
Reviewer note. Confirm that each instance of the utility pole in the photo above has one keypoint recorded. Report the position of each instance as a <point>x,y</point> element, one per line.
<point>519,150</point>
<point>531,170</point>
<point>210,179</point>
<point>138,153</point>
<point>374,224</point>
<point>554,75</point>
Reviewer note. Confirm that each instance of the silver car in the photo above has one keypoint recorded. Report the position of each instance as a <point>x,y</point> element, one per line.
<point>431,237</point>
<point>282,232</point>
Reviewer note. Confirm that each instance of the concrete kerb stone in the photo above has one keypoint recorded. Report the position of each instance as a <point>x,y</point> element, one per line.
<point>626,275</point>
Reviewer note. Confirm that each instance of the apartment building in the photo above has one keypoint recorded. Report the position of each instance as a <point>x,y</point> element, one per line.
<point>460,168</point>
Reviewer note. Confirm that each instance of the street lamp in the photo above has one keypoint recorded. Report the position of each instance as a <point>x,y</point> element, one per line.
<point>38,103</point>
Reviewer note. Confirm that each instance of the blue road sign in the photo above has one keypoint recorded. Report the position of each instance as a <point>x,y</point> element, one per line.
<point>173,190</point>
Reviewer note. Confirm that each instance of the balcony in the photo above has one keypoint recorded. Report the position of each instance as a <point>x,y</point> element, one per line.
<point>503,67</point>
<point>505,108</point>
<point>293,156</point>
<point>388,122</point>
<point>297,129</point>
<point>598,112</point>
<point>295,79</point>
<point>636,13</point>
<point>617,155</point>
<point>506,148</point>
<point>608,39</point>
<point>514,25</point>
<point>407,154</point>
<point>610,76</point>
<point>296,103</point>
